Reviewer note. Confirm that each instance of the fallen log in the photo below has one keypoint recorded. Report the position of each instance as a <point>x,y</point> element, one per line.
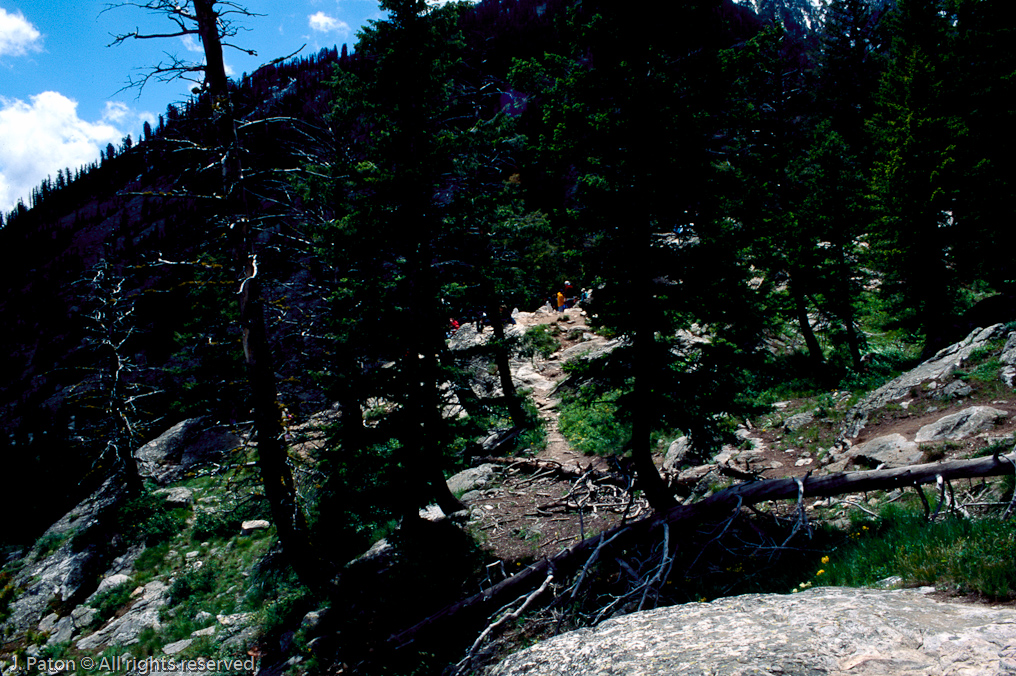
<point>478,607</point>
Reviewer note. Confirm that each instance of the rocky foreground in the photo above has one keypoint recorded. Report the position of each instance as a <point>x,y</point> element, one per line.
<point>828,630</point>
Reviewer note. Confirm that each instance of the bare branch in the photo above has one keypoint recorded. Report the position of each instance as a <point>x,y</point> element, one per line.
<point>208,19</point>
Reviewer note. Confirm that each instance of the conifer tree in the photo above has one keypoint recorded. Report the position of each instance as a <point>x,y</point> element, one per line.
<point>915,133</point>
<point>394,110</point>
<point>622,119</point>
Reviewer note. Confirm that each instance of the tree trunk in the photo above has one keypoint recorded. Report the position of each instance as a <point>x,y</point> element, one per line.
<point>208,29</point>
<point>657,492</point>
<point>801,313</point>
<point>276,477</point>
<point>503,363</point>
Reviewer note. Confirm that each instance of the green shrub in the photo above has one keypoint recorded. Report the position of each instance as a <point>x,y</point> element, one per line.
<point>591,423</point>
<point>106,603</point>
<point>149,561</point>
<point>7,593</point>
<point>148,519</point>
<point>50,542</point>
<point>195,583</point>
<point>540,340</point>
<point>209,524</point>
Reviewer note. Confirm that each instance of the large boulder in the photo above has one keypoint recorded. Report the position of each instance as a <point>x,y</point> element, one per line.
<point>1008,360</point>
<point>825,630</point>
<point>892,450</point>
<point>473,478</point>
<point>185,445</point>
<point>966,423</point>
<point>678,451</point>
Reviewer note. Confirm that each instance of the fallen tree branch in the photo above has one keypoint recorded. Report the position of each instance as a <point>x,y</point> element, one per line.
<point>568,560</point>
<point>504,619</point>
<point>534,465</point>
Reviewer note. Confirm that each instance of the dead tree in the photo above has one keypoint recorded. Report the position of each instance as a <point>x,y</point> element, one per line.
<point>210,20</point>
<point>110,385</point>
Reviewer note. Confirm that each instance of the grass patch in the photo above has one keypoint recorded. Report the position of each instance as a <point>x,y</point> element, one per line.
<point>590,422</point>
<point>883,364</point>
<point>985,372</point>
<point>964,555</point>
<point>106,603</point>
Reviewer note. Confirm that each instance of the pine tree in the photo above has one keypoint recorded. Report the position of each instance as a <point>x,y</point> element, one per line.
<point>622,121</point>
<point>915,132</point>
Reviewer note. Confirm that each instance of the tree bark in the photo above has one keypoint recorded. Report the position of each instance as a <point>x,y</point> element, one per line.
<point>801,313</point>
<point>208,30</point>
<point>504,369</point>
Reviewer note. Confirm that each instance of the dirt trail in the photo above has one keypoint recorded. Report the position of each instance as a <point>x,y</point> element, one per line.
<point>526,515</point>
<point>543,376</point>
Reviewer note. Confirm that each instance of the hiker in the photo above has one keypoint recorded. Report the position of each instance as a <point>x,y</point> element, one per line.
<point>560,301</point>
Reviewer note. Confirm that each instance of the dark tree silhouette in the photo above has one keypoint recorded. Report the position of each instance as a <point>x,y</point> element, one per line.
<point>212,21</point>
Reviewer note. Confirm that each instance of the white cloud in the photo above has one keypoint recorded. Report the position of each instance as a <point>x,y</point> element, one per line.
<point>322,23</point>
<point>17,35</point>
<point>46,135</point>
<point>116,112</point>
<point>191,44</point>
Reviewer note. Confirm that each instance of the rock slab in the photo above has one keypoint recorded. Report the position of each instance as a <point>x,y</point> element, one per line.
<point>966,423</point>
<point>892,450</point>
<point>825,630</point>
<point>938,368</point>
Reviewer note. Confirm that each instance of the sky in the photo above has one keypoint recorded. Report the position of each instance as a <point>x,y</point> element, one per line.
<point>60,81</point>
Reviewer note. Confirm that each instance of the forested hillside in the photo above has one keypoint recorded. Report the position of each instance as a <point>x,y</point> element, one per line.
<point>748,201</point>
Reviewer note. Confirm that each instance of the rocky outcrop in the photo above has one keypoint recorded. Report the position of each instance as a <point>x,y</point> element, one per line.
<point>124,630</point>
<point>185,445</point>
<point>796,422</point>
<point>64,572</point>
<point>70,567</point>
<point>936,369</point>
<point>473,478</point>
<point>1008,359</point>
<point>826,630</point>
<point>966,423</point>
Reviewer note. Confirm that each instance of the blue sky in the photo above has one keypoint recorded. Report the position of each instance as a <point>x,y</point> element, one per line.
<point>59,81</point>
